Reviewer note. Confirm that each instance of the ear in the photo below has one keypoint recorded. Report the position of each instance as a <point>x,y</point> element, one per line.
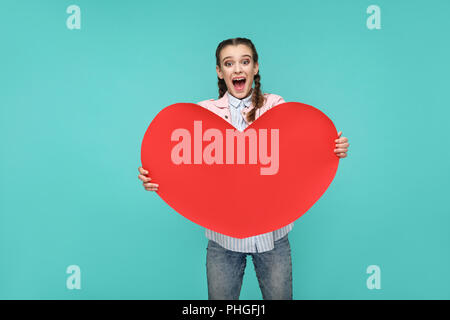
<point>219,72</point>
<point>256,68</point>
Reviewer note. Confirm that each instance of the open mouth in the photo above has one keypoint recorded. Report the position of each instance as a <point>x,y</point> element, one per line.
<point>239,83</point>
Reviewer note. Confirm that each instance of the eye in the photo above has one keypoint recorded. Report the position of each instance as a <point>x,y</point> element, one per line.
<point>246,61</point>
<point>227,64</point>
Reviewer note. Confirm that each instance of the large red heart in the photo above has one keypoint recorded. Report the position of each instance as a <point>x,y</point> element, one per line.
<point>237,199</point>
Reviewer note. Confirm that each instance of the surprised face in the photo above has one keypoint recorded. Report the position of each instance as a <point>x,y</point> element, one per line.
<point>238,69</point>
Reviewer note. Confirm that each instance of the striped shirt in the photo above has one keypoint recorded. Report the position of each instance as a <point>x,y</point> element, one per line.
<point>262,242</point>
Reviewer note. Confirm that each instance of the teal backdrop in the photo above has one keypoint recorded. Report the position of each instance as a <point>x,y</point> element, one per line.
<point>75,105</point>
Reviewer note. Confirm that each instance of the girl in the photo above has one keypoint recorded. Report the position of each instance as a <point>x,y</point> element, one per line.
<point>240,104</point>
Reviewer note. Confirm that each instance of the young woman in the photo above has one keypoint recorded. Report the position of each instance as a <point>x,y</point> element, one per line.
<point>240,104</point>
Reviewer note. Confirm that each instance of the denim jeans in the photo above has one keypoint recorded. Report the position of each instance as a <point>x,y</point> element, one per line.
<point>225,271</point>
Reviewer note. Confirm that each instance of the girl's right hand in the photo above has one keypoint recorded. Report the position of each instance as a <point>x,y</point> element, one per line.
<point>147,185</point>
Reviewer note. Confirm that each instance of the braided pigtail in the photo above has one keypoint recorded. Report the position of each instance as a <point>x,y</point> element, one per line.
<point>222,87</point>
<point>257,98</point>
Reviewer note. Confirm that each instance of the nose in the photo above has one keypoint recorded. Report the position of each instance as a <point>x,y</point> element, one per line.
<point>237,68</point>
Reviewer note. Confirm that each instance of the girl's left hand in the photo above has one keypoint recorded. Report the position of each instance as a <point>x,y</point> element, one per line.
<point>341,146</point>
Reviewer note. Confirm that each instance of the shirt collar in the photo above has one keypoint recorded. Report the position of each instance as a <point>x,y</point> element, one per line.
<point>235,102</point>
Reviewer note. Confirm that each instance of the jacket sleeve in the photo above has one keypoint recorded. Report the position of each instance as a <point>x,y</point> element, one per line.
<point>278,100</point>
<point>203,103</point>
<point>206,103</point>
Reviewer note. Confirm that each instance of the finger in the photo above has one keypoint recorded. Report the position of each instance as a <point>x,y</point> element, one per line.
<point>342,145</point>
<point>144,178</point>
<point>342,155</point>
<point>149,184</point>
<point>142,170</point>
<point>339,150</point>
<point>341,140</point>
<point>151,189</point>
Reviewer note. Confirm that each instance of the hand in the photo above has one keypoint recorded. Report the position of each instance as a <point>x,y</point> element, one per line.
<point>147,185</point>
<point>341,146</point>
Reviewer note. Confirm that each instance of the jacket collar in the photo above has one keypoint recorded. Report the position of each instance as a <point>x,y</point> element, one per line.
<point>235,102</point>
<point>224,101</point>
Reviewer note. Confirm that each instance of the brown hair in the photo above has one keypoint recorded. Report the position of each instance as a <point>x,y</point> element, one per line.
<point>257,95</point>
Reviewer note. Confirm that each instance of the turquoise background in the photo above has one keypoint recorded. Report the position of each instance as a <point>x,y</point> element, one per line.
<point>75,105</point>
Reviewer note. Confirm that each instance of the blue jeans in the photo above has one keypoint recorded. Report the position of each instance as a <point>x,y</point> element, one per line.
<point>225,271</point>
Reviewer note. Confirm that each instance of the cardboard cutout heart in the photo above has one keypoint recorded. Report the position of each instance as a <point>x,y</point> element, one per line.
<point>240,190</point>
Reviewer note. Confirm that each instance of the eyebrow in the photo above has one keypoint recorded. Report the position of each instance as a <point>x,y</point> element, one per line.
<point>245,55</point>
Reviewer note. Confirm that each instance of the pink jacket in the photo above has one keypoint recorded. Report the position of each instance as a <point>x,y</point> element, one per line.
<point>220,106</point>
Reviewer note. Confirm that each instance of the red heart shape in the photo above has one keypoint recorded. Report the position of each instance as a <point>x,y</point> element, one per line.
<point>237,199</point>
